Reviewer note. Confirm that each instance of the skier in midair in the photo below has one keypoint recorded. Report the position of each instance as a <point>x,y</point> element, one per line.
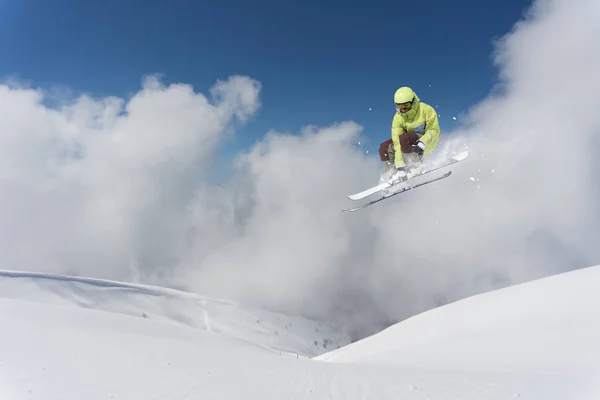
<point>415,132</point>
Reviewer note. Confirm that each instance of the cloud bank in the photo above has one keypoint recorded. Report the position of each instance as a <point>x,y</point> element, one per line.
<point>121,189</point>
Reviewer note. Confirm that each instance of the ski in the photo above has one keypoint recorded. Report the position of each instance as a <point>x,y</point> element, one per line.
<point>365,193</point>
<point>405,189</point>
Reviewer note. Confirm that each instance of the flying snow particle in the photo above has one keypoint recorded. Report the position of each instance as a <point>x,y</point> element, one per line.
<point>454,118</point>
<point>472,179</point>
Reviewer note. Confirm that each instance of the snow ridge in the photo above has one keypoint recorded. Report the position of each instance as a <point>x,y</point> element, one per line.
<point>267,329</point>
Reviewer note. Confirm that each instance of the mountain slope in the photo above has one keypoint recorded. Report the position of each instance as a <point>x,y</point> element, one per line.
<point>51,352</point>
<point>267,329</point>
<point>551,323</point>
<point>533,341</point>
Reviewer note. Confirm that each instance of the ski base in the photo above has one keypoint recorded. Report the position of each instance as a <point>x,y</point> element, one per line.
<point>405,189</point>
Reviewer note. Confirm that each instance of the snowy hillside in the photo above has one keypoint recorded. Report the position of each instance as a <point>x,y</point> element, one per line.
<point>551,325</point>
<point>69,339</point>
<point>267,329</point>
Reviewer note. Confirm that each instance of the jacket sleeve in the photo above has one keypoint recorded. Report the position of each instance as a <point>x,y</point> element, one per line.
<point>432,135</point>
<point>396,132</point>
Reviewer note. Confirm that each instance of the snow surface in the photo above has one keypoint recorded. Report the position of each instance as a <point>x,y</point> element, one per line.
<point>267,329</point>
<point>74,338</point>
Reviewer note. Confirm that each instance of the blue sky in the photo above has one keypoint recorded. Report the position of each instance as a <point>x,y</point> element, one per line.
<point>319,62</point>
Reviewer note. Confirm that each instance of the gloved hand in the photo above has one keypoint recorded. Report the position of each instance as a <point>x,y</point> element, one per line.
<point>419,148</point>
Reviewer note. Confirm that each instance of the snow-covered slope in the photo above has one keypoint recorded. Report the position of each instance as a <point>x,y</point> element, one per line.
<point>267,329</point>
<point>533,341</point>
<point>550,325</point>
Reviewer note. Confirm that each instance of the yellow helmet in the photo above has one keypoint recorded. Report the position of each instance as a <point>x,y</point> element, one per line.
<point>404,95</point>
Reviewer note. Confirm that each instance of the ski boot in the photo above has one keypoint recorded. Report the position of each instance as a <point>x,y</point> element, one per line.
<point>388,171</point>
<point>413,162</point>
<point>399,175</point>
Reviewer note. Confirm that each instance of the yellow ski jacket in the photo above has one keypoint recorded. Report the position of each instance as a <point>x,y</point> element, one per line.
<point>421,119</point>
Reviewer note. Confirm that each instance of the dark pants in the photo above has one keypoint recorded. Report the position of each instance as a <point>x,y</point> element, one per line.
<point>407,140</point>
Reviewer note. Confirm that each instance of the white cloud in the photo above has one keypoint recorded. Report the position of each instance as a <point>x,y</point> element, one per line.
<point>237,96</point>
<point>99,185</point>
<point>119,189</point>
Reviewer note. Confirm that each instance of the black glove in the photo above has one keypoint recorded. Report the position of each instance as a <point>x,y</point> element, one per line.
<point>419,148</point>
